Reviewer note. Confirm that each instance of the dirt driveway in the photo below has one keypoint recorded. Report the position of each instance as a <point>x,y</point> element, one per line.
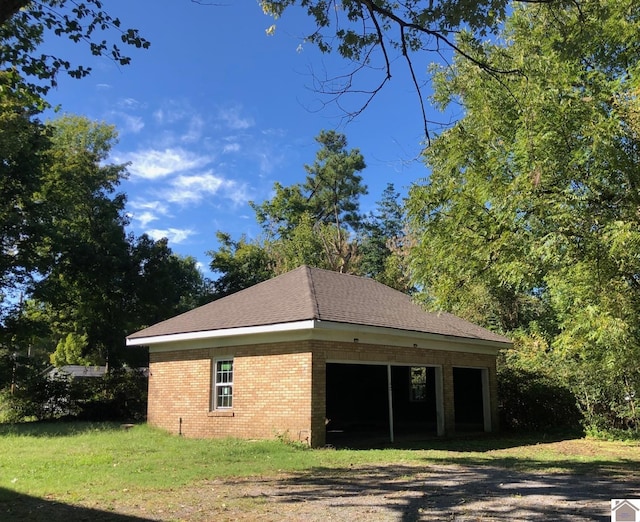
<point>398,493</point>
<point>566,480</point>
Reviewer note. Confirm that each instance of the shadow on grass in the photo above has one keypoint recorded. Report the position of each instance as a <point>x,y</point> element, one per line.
<point>57,429</point>
<point>473,491</point>
<point>16,506</point>
<point>478,442</point>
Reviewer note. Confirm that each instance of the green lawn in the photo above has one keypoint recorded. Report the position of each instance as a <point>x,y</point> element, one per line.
<point>79,461</point>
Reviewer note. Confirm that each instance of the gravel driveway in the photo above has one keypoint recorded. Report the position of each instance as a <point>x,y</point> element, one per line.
<point>404,493</point>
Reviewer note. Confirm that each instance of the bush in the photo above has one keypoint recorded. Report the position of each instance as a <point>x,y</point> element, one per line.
<point>119,396</point>
<point>530,401</point>
<point>34,395</point>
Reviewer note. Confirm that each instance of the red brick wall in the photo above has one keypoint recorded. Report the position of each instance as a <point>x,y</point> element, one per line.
<point>280,388</point>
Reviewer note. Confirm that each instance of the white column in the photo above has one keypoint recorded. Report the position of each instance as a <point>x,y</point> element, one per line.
<point>390,397</point>
<point>486,399</point>
<point>439,401</point>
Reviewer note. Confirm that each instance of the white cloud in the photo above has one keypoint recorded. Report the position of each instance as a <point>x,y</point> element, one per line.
<point>233,120</point>
<point>144,212</point>
<point>231,147</point>
<point>192,189</point>
<point>173,111</point>
<point>159,116</point>
<point>174,235</point>
<point>131,124</point>
<point>129,103</point>
<point>194,129</point>
<point>158,206</point>
<point>153,163</point>
<point>145,218</point>
<point>237,193</point>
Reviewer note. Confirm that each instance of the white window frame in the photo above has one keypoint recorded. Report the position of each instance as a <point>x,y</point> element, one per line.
<point>415,385</point>
<point>219,382</point>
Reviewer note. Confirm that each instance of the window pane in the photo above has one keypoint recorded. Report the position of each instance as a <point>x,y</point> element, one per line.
<point>224,372</point>
<point>224,397</point>
<point>418,376</point>
<point>223,385</point>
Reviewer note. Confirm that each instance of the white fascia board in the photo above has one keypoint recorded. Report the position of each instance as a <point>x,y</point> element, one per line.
<point>317,330</point>
<point>216,334</point>
<point>379,335</point>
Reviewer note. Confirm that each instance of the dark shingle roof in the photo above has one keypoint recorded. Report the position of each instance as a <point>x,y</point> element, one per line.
<point>310,293</point>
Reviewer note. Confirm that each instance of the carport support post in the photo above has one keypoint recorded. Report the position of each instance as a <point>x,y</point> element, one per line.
<point>390,397</point>
<point>440,423</point>
<point>486,400</point>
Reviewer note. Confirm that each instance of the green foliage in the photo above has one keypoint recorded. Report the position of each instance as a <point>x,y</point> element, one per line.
<point>70,350</point>
<point>25,24</point>
<point>162,283</point>
<point>37,394</point>
<point>32,394</point>
<point>533,402</point>
<point>87,249</point>
<point>528,221</point>
<point>329,194</point>
<point>313,223</point>
<point>612,434</point>
<point>383,239</point>
<point>121,395</point>
<point>240,263</point>
<point>23,140</point>
<point>304,245</point>
<point>83,282</point>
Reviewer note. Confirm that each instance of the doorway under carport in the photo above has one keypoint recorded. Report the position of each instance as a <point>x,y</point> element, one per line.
<point>471,399</point>
<point>372,402</point>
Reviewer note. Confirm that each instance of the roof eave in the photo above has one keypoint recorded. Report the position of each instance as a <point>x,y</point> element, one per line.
<point>320,330</point>
<point>215,334</point>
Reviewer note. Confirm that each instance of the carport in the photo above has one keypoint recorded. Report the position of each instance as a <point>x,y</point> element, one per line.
<point>385,402</point>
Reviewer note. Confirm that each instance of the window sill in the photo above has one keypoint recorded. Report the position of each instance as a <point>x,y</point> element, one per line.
<point>221,413</point>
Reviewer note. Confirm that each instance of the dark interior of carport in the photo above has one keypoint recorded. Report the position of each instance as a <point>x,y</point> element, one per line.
<point>357,402</point>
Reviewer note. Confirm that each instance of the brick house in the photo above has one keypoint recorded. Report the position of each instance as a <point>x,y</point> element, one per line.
<point>315,355</point>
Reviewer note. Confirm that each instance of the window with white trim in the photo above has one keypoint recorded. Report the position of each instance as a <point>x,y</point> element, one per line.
<point>222,393</point>
<point>418,383</point>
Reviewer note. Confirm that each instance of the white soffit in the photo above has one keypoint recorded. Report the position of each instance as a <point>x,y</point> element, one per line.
<point>317,330</point>
<point>216,334</point>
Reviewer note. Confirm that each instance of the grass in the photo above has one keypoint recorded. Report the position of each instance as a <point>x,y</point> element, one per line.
<point>76,462</point>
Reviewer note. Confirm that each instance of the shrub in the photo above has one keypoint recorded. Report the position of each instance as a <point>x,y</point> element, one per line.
<point>530,401</point>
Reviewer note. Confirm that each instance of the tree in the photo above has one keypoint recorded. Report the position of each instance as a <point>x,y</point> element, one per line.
<point>326,205</point>
<point>383,239</point>
<point>329,194</point>
<point>376,36</point>
<point>22,142</point>
<point>25,23</point>
<point>164,284</point>
<point>97,282</point>
<point>241,264</point>
<point>321,245</point>
<point>529,219</point>
<point>87,249</point>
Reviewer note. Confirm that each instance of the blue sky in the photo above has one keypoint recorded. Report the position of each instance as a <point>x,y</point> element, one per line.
<point>216,111</point>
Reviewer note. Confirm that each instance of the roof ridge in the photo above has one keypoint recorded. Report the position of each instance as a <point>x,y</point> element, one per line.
<point>312,288</point>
